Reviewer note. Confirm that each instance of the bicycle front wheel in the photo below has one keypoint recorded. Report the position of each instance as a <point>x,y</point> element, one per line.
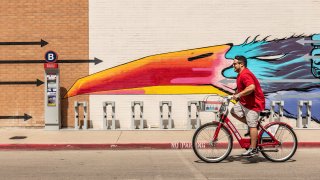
<point>208,150</point>
<point>288,143</point>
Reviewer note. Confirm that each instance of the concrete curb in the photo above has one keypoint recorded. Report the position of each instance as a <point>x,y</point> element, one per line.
<point>121,146</point>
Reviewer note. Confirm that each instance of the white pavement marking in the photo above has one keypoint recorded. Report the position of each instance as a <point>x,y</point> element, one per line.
<point>196,173</point>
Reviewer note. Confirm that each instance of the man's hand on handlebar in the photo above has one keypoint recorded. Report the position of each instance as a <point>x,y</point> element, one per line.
<point>235,97</point>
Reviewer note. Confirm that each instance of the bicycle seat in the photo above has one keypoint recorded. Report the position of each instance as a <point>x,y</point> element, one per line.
<point>265,113</point>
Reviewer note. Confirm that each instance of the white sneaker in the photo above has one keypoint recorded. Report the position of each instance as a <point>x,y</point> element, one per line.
<point>250,152</point>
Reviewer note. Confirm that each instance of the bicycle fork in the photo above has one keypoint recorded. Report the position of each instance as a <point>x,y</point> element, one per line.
<point>215,135</point>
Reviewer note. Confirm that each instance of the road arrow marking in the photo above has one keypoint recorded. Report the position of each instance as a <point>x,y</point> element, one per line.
<point>25,117</point>
<point>307,57</point>
<point>37,82</point>
<point>227,81</point>
<point>95,61</point>
<point>303,41</point>
<point>41,43</point>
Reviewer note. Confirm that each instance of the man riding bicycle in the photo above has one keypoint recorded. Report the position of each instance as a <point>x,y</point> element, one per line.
<point>251,101</point>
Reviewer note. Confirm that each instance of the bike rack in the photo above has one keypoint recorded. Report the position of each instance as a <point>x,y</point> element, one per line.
<point>133,105</point>
<point>280,105</point>
<point>307,122</point>
<point>76,115</point>
<point>106,125</point>
<point>169,104</point>
<point>197,104</point>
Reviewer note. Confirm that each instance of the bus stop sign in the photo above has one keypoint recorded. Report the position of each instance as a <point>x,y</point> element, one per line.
<point>51,56</point>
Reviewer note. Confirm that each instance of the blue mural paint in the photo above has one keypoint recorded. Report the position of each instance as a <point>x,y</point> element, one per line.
<point>248,50</point>
<point>316,37</point>
<point>292,98</point>
<point>289,64</point>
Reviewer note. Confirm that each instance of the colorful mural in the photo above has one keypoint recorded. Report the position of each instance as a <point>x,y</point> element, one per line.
<point>183,72</point>
<point>288,69</point>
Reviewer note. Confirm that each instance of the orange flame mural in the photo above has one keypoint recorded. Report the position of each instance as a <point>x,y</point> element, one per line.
<point>195,71</point>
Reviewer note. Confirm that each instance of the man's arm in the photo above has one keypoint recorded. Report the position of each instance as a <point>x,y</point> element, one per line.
<point>248,90</point>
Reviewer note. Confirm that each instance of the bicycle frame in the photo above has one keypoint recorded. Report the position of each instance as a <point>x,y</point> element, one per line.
<point>245,142</point>
<point>271,140</point>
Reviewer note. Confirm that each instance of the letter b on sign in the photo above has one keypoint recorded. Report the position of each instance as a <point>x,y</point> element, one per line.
<point>51,56</point>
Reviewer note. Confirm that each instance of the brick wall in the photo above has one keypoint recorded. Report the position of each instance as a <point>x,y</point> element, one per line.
<point>62,23</point>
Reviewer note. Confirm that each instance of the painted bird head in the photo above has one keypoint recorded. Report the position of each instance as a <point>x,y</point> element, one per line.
<point>203,70</point>
<point>209,70</point>
<point>279,59</point>
<point>195,71</point>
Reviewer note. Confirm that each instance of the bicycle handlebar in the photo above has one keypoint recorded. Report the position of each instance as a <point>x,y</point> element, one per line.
<point>225,104</point>
<point>227,99</point>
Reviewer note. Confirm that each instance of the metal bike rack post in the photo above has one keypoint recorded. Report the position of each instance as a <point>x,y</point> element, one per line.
<point>133,105</point>
<point>308,105</point>
<point>169,104</point>
<point>106,125</point>
<point>196,103</point>
<point>76,115</point>
<point>280,105</point>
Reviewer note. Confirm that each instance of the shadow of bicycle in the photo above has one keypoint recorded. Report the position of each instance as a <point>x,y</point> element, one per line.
<point>246,160</point>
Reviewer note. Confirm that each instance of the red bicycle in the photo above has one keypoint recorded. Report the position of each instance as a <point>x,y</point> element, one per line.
<point>213,142</point>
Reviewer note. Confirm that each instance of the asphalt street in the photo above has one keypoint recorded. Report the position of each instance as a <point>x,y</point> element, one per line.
<point>151,164</point>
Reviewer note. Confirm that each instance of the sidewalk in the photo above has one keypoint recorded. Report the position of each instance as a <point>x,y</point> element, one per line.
<point>67,139</point>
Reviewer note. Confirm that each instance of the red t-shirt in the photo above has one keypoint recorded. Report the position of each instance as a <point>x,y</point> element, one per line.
<point>255,100</point>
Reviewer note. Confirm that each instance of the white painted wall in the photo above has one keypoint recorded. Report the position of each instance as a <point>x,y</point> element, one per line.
<point>125,30</point>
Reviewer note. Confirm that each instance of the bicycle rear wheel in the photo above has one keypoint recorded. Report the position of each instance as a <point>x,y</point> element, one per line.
<point>288,143</point>
<point>208,150</point>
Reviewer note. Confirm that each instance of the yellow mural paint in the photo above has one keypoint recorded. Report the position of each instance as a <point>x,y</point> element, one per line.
<point>167,90</point>
<point>183,90</point>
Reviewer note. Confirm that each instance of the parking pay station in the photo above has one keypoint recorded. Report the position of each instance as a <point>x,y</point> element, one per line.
<point>52,92</point>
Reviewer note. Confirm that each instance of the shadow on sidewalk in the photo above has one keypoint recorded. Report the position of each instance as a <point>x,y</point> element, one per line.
<point>246,160</point>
